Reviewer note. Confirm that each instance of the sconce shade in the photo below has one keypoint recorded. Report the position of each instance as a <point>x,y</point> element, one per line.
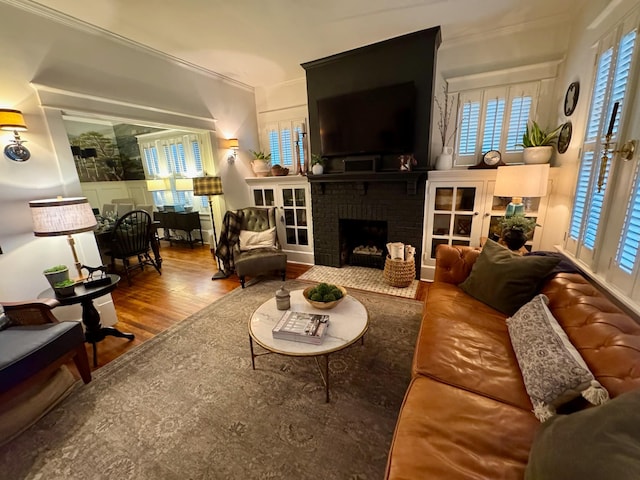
<point>233,143</point>
<point>207,186</point>
<point>12,120</point>
<point>61,216</point>
<point>522,181</point>
<point>184,184</point>
<point>157,185</point>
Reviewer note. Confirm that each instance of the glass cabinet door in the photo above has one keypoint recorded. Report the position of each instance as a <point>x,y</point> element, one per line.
<point>263,197</point>
<point>294,207</point>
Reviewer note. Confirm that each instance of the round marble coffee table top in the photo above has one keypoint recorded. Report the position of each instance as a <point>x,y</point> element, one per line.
<point>348,322</point>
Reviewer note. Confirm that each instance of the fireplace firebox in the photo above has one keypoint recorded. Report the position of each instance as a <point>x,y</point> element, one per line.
<point>362,242</point>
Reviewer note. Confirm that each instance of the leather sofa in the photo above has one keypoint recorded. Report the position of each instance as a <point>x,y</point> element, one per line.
<point>466,413</point>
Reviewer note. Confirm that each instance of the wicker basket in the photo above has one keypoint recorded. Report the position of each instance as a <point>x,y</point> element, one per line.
<point>399,273</point>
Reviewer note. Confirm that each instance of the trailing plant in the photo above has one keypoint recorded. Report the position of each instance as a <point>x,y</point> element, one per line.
<point>260,155</point>
<point>534,136</point>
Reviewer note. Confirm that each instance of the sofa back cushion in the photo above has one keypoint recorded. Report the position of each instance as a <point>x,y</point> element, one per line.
<point>454,263</point>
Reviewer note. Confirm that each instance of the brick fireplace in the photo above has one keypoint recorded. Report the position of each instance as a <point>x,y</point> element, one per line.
<point>390,199</point>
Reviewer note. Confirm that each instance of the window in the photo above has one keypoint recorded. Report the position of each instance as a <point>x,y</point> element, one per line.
<point>604,228</point>
<point>494,119</point>
<point>285,140</point>
<point>174,155</point>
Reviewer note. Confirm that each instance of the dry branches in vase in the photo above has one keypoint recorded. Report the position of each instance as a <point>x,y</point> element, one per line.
<point>446,109</point>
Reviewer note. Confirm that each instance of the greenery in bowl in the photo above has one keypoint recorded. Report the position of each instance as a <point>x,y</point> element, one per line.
<point>260,155</point>
<point>325,292</point>
<point>534,136</point>
<point>57,268</point>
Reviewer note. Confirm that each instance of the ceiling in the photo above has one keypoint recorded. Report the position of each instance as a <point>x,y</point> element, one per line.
<point>263,42</point>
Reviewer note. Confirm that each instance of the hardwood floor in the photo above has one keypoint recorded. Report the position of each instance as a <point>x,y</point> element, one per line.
<point>156,302</point>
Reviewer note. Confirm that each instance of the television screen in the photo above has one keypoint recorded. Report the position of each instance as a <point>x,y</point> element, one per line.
<point>375,121</point>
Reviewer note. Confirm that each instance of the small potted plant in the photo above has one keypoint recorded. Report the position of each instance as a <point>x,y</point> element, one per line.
<point>261,163</point>
<point>55,274</point>
<point>65,288</point>
<point>516,231</point>
<point>538,143</point>
<point>317,164</point>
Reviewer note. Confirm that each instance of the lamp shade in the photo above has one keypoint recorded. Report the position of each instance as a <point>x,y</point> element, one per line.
<point>207,186</point>
<point>61,216</point>
<point>522,181</point>
<point>12,120</point>
<point>233,143</point>
<point>184,184</point>
<point>157,185</point>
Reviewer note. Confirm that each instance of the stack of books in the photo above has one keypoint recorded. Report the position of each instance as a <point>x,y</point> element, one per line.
<point>302,327</point>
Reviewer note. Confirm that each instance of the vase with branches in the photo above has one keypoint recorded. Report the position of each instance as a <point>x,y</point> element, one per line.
<point>447,127</point>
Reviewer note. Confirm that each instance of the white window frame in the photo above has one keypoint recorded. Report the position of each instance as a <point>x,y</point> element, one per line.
<point>483,96</point>
<point>290,136</point>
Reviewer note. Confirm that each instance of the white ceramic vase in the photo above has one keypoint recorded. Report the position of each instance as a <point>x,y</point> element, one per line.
<point>444,161</point>
<point>261,168</point>
<point>536,155</point>
<point>317,169</point>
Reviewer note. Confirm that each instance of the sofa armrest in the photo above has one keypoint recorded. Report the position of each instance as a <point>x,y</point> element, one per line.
<point>454,263</point>
<point>32,312</point>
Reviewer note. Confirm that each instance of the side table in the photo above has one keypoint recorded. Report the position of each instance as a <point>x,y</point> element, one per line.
<point>94,331</point>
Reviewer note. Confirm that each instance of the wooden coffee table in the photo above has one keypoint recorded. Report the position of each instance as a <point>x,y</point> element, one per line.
<point>348,322</point>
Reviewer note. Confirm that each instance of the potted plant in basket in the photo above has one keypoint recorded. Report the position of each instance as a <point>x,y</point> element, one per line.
<point>55,274</point>
<point>538,143</point>
<point>261,163</point>
<point>317,164</point>
<point>516,231</point>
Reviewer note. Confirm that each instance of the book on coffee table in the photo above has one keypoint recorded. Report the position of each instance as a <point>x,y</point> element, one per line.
<point>302,327</point>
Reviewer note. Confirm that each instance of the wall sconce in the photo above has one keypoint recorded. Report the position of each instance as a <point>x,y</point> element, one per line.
<point>13,120</point>
<point>232,144</point>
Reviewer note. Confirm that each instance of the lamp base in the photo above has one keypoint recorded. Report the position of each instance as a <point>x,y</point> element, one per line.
<point>17,152</point>
<point>514,209</point>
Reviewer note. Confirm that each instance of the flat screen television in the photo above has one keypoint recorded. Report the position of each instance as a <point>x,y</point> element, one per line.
<point>377,121</point>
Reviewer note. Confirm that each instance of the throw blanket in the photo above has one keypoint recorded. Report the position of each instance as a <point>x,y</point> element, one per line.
<point>231,225</point>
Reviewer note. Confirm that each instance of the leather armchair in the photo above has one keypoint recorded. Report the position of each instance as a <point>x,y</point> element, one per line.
<point>261,260</point>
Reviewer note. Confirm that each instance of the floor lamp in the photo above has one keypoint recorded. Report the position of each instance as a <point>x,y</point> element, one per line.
<point>211,186</point>
<point>54,217</point>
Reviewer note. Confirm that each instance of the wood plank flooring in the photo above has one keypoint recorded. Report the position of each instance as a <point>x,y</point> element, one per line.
<point>153,303</point>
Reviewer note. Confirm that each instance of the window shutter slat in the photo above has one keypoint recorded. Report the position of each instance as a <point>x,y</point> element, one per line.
<point>494,117</point>
<point>469,128</point>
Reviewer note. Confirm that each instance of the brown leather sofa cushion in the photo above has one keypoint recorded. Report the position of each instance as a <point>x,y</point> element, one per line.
<point>465,343</point>
<point>448,433</point>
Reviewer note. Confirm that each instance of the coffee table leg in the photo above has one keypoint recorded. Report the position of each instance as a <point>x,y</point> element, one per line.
<point>253,357</point>
<point>326,374</point>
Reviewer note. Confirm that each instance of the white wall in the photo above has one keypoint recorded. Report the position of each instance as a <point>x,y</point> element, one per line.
<point>68,59</point>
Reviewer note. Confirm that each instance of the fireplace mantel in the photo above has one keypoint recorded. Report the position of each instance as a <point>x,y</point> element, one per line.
<point>362,179</point>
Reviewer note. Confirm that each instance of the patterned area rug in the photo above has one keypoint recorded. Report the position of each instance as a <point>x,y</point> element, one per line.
<point>369,279</point>
<point>187,405</point>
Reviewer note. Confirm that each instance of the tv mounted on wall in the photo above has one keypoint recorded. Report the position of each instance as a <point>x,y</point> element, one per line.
<point>378,121</point>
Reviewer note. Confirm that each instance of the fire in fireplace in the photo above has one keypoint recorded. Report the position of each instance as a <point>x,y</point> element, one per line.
<point>362,242</point>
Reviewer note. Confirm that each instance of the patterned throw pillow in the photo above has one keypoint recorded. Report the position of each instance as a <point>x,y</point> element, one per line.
<point>553,370</point>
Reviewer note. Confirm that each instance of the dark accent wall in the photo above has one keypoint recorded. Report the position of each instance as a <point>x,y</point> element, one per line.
<point>409,58</point>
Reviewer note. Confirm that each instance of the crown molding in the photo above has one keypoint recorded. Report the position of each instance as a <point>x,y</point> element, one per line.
<point>77,24</point>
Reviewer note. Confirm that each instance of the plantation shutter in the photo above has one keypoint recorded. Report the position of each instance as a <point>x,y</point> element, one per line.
<point>273,137</point>
<point>469,114</point>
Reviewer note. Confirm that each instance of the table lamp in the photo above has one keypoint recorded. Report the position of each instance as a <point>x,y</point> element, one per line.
<point>211,186</point>
<point>517,181</point>
<point>53,217</point>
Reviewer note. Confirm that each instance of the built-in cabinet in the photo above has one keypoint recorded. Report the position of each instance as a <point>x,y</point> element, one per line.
<point>460,209</point>
<point>291,195</point>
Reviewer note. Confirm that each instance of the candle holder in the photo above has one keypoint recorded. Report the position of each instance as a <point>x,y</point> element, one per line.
<point>626,153</point>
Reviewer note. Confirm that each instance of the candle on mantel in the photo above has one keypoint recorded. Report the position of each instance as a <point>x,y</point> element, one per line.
<point>613,119</point>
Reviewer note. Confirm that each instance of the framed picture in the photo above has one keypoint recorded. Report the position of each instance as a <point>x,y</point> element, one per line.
<point>571,98</point>
<point>564,137</point>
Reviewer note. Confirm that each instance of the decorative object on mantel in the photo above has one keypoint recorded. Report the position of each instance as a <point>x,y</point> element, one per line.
<point>571,98</point>
<point>261,163</point>
<point>278,171</point>
<point>407,162</point>
<point>538,143</point>
<point>317,164</point>
<point>491,159</point>
<point>444,161</point>
<point>564,137</point>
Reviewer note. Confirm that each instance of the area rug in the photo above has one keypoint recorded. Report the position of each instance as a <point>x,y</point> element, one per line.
<point>187,405</point>
<point>369,279</point>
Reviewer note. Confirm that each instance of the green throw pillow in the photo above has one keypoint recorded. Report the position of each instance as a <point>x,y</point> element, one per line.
<point>599,443</point>
<point>505,280</point>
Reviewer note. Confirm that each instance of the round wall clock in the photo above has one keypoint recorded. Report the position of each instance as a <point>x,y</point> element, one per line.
<point>571,98</point>
<point>564,137</point>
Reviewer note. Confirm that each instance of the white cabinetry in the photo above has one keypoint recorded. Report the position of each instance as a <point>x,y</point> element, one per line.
<point>460,209</point>
<point>291,195</point>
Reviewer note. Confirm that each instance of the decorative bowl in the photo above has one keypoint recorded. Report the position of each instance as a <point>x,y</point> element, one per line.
<point>323,305</point>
